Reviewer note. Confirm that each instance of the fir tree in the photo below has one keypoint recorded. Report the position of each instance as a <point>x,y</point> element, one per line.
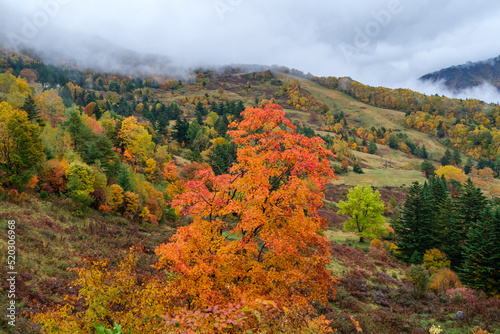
<point>469,207</point>
<point>80,133</point>
<point>124,179</point>
<point>471,204</point>
<point>425,155</point>
<point>199,118</point>
<point>181,128</point>
<point>372,147</point>
<point>357,168</point>
<point>428,168</point>
<point>200,108</point>
<point>445,160</point>
<point>414,228</point>
<point>468,166</point>
<point>457,157</point>
<point>481,269</point>
<point>192,132</point>
<point>444,215</point>
<point>30,108</point>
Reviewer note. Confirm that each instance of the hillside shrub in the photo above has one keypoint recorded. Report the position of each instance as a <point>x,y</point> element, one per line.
<point>444,280</point>
<point>376,243</point>
<point>459,295</point>
<point>434,259</point>
<point>419,277</point>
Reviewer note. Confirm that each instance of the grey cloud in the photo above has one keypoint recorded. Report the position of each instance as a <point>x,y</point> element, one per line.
<point>321,37</point>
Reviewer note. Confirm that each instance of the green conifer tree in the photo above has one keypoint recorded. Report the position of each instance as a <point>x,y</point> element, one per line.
<point>471,204</point>
<point>31,109</point>
<point>357,168</point>
<point>481,269</point>
<point>414,228</point>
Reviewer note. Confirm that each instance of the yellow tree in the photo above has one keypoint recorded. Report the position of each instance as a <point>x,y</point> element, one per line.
<point>134,138</point>
<point>51,105</point>
<point>451,172</point>
<point>13,90</point>
<point>20,145</point>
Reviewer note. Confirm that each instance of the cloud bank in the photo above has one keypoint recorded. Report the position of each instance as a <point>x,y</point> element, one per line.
<point>378,42</point>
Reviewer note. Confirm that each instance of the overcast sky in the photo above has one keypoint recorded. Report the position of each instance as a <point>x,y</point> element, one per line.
<point>378,42</point>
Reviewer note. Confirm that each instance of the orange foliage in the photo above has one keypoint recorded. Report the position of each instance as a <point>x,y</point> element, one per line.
<point>376,243</point>
<point>275,191</point>
<point>90,108</point>
<point>482,177</point>
<point>443,280</point>
<point>478,330</point>
<point>94,125</point>
<point>33,182</point>
<point>262,274</point>
<point>132,203</point>
<point>344,165</point>
<point>104,208</point>
<point>170,171</point>
<point>190,171</point>
<point>55,179</point>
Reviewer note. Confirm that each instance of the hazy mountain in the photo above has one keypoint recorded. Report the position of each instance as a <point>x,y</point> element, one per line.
<point>469,75</point>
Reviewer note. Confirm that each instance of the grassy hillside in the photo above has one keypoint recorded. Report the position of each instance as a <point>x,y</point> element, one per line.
<point>372,287</point>
<point>54,234</point>
<point>51,241</point>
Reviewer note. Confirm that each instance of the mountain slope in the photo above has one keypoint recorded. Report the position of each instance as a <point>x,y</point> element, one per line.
<point>468,75</point>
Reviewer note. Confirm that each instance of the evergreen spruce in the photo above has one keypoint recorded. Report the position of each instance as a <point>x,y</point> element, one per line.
<point>471,204</point>
<point>414,228</point>
<point>372,147</point>
<point>428,168</point>
<point>457,157</point>
<point>181,128</point>
<point>357,168</point>
<point>481,269</point>
<point>30,108</point>
<point>124,179</point>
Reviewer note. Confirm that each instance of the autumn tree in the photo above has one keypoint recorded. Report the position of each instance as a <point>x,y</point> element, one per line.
<point>54,176</point>
<point>451,172</point>
<point>80,185</point>
<point>434,260</point>
<point>13,90</point>
<point>136,140</point>
<point>365,208</point>
<point>116,197</point>
<point>105,289</point>
<point>21,148</point>
<point>51,105</point>
<point>257,234</point>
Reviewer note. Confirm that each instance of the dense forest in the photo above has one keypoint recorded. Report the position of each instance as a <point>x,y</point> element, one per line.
<point>236,171</point>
